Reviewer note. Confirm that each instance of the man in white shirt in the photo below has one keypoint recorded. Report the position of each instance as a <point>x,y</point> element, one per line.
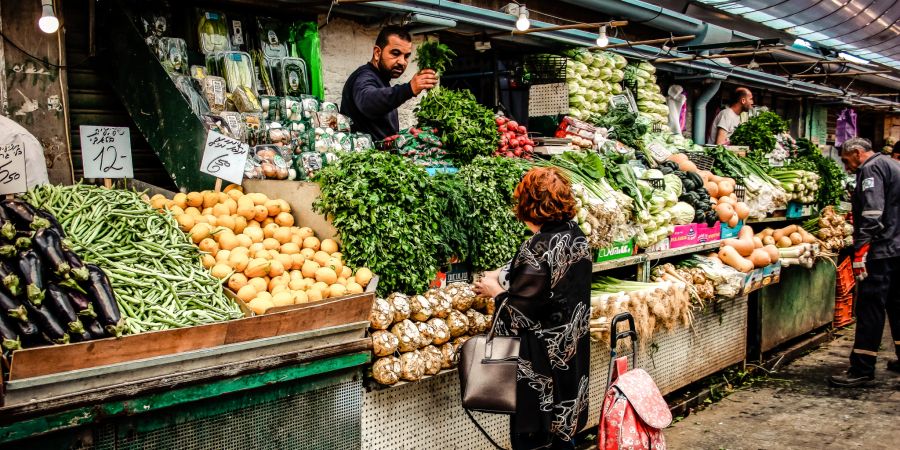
<point>13,134</point>
<point>729,118</point>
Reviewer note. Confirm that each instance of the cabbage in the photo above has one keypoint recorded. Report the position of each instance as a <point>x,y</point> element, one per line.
<point>642,74</point>
<point>576,100</point>
<point>616,89</point>
<point>682,213</point>
<point>617,76</point>
<point>620,60</point>
<point>605,73</point>
<point>647,67</point>
<point>590,95</point>
<point>673,183</point>
<point>652,174</point>
<point>594,72</point>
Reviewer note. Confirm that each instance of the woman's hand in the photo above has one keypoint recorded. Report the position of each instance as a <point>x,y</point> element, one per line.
<point>488,286</point>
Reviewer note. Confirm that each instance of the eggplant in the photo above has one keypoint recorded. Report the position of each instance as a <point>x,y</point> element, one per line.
<point>62,309</point>
<point>54,224</point>
<point>43,318</point>
<point>82,305</point>
<point>23,214</point>
<point>100,292</point>
<point>49,244</point>
<point>93,328</point>
<point>12,307</point>
<point>78,270</point>
<point>32,271</point>
<point>10,280</point>
<point>31,335</point>
<point>9,335</point>
<point>83,337</point>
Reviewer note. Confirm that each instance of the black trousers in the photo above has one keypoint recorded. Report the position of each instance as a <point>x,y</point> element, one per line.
<point>878,294</point>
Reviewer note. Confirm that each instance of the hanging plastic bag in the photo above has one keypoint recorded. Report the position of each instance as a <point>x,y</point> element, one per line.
<point>845,127</point>
<point>304,43</point>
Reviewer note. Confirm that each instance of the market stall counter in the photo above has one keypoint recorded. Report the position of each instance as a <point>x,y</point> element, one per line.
<point>392,417</point>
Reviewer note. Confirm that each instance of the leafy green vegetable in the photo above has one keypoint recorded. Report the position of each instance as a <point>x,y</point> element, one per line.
<point>494,231</point>
<point>831,181</point>
<point>434,55</point>
<point>452,197</point>
<point>758,133</point>
<point>466,127</point>
<point>623,126</point>
<point>384,209</point>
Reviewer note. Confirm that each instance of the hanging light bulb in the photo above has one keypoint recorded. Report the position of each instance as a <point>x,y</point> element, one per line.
<point>48,23</point>
<point>523,23</point>
<point>602,40</point>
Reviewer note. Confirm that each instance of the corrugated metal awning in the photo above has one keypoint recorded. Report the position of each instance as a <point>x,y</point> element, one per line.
<point>869,29</point>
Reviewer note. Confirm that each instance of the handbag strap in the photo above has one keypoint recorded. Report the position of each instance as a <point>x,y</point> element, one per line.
<point>485,433</point>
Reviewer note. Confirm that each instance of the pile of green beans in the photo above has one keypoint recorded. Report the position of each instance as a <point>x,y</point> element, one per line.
<point>156,272</point>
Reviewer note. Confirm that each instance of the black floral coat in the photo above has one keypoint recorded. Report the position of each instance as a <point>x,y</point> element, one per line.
<point>548,306</point>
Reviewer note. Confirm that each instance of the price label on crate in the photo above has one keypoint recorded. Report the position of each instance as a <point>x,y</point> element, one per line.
<point>12,169</point>
<point>224,157</point>
<point>106,152</point>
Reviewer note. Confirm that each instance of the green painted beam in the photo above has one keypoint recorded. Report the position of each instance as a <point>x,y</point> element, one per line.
<point>154,402</point>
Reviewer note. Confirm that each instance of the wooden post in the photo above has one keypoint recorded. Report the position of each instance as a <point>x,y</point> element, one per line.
<point>218,185</point>
<point>107,183</point>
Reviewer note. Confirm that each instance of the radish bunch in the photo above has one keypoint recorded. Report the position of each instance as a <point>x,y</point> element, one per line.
<point>514,140</point>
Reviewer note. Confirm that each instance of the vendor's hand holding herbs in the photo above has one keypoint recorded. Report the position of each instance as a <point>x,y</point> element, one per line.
<point>425,79</point>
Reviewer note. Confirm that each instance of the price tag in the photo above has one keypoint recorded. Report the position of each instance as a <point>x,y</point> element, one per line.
<point>224,157</point>
<point>12,169</point>
<point>106,152</point>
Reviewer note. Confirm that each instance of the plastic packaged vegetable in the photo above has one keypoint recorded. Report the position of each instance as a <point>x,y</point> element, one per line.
<point>213,32</point>
<point>292,78</point>
<point>172,53</point>
<point>214,90</point>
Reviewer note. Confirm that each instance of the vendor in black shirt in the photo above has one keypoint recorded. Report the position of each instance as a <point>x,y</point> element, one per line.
<point>369,99</point>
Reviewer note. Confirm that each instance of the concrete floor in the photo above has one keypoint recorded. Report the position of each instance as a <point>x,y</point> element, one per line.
<point>796,409</point>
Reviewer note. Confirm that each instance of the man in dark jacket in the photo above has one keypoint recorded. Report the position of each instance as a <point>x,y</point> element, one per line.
<point>876,259</point>
<point>369,99</point>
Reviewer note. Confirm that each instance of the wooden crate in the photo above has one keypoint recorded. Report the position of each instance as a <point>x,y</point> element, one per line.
<point>41,361</point>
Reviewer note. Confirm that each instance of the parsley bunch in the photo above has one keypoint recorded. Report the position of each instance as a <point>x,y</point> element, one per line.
<point>466,128</point>
<point>383,207</point>
<point>435,56</point>
<point>494,231</point>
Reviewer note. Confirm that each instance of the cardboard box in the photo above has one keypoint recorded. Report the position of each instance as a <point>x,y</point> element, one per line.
<point>683,236</point>
<point>300,195</point>
<point>660,246</point>
<point>617,250</point>
<point>771,274</point>
<point>707,233</point>
<point>728,232</point>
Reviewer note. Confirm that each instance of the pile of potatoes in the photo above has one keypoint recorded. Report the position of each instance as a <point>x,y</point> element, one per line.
<point>249,241</point>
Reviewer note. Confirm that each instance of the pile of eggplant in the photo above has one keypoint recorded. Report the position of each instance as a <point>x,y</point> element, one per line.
<point>47,294</point>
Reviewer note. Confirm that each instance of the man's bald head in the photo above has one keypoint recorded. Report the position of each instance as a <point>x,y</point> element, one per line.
<point>741,97</point>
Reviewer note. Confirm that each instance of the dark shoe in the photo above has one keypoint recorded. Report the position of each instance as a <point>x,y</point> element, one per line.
<point>894,366</point>
<point>849,379</point>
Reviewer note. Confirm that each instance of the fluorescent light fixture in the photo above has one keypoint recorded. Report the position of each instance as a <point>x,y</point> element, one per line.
<point>523,23</point>
<point>851,58</point>
<point>802,43</point>
<point>602,40</point>
<point>48,23</point>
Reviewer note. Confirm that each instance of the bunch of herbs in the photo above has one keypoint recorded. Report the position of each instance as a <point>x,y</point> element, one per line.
<point>466,128</point>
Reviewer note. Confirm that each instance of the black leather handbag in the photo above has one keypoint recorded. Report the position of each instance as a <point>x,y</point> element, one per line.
<point>487,373</point>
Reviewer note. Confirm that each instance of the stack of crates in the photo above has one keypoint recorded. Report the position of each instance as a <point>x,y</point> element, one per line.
<point>843,306</point>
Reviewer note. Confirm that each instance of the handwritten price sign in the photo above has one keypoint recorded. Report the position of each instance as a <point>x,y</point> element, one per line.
<point>106,152</point>
<point>224,157</point>
<point>12,169</point>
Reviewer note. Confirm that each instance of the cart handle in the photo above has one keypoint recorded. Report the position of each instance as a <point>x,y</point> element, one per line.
<point>615,334</point>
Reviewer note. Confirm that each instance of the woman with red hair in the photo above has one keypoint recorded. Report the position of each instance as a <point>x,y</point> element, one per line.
<point>544,298</point>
